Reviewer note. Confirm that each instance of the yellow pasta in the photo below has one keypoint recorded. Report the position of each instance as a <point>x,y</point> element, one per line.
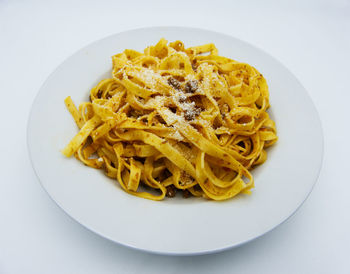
<point>175,119</point>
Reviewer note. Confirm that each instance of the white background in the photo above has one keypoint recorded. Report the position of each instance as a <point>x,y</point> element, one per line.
<point>312,39</point>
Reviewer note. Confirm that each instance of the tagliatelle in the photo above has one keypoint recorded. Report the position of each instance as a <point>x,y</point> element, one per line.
<point>176,119</point>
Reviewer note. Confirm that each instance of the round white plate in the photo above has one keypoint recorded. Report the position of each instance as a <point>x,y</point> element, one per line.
<point>175,226</point>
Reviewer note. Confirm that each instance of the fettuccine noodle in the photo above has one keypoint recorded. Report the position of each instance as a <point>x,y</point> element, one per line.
<point>172,119</point>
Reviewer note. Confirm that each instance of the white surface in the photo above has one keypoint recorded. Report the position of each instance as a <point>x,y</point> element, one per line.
<point>102,206</point>
<point>311,39</point>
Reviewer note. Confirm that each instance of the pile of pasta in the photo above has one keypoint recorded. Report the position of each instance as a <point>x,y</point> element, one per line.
<point>175,119</point>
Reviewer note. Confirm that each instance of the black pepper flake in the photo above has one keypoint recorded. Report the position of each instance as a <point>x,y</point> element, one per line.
<point>191,86</point>
<point>197,188</point>
<point>174,83</point>
<point>99,93</point>
<point>170,191</point>
<point>186,193</point>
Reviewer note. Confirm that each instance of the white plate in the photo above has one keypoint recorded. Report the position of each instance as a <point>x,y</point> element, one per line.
<point>175,226</point>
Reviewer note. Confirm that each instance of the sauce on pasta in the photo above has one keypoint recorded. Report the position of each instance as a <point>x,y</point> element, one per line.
<point>176,119</point>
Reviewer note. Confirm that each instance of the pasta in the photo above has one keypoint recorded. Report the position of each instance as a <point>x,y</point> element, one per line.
<point>176,119</point>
